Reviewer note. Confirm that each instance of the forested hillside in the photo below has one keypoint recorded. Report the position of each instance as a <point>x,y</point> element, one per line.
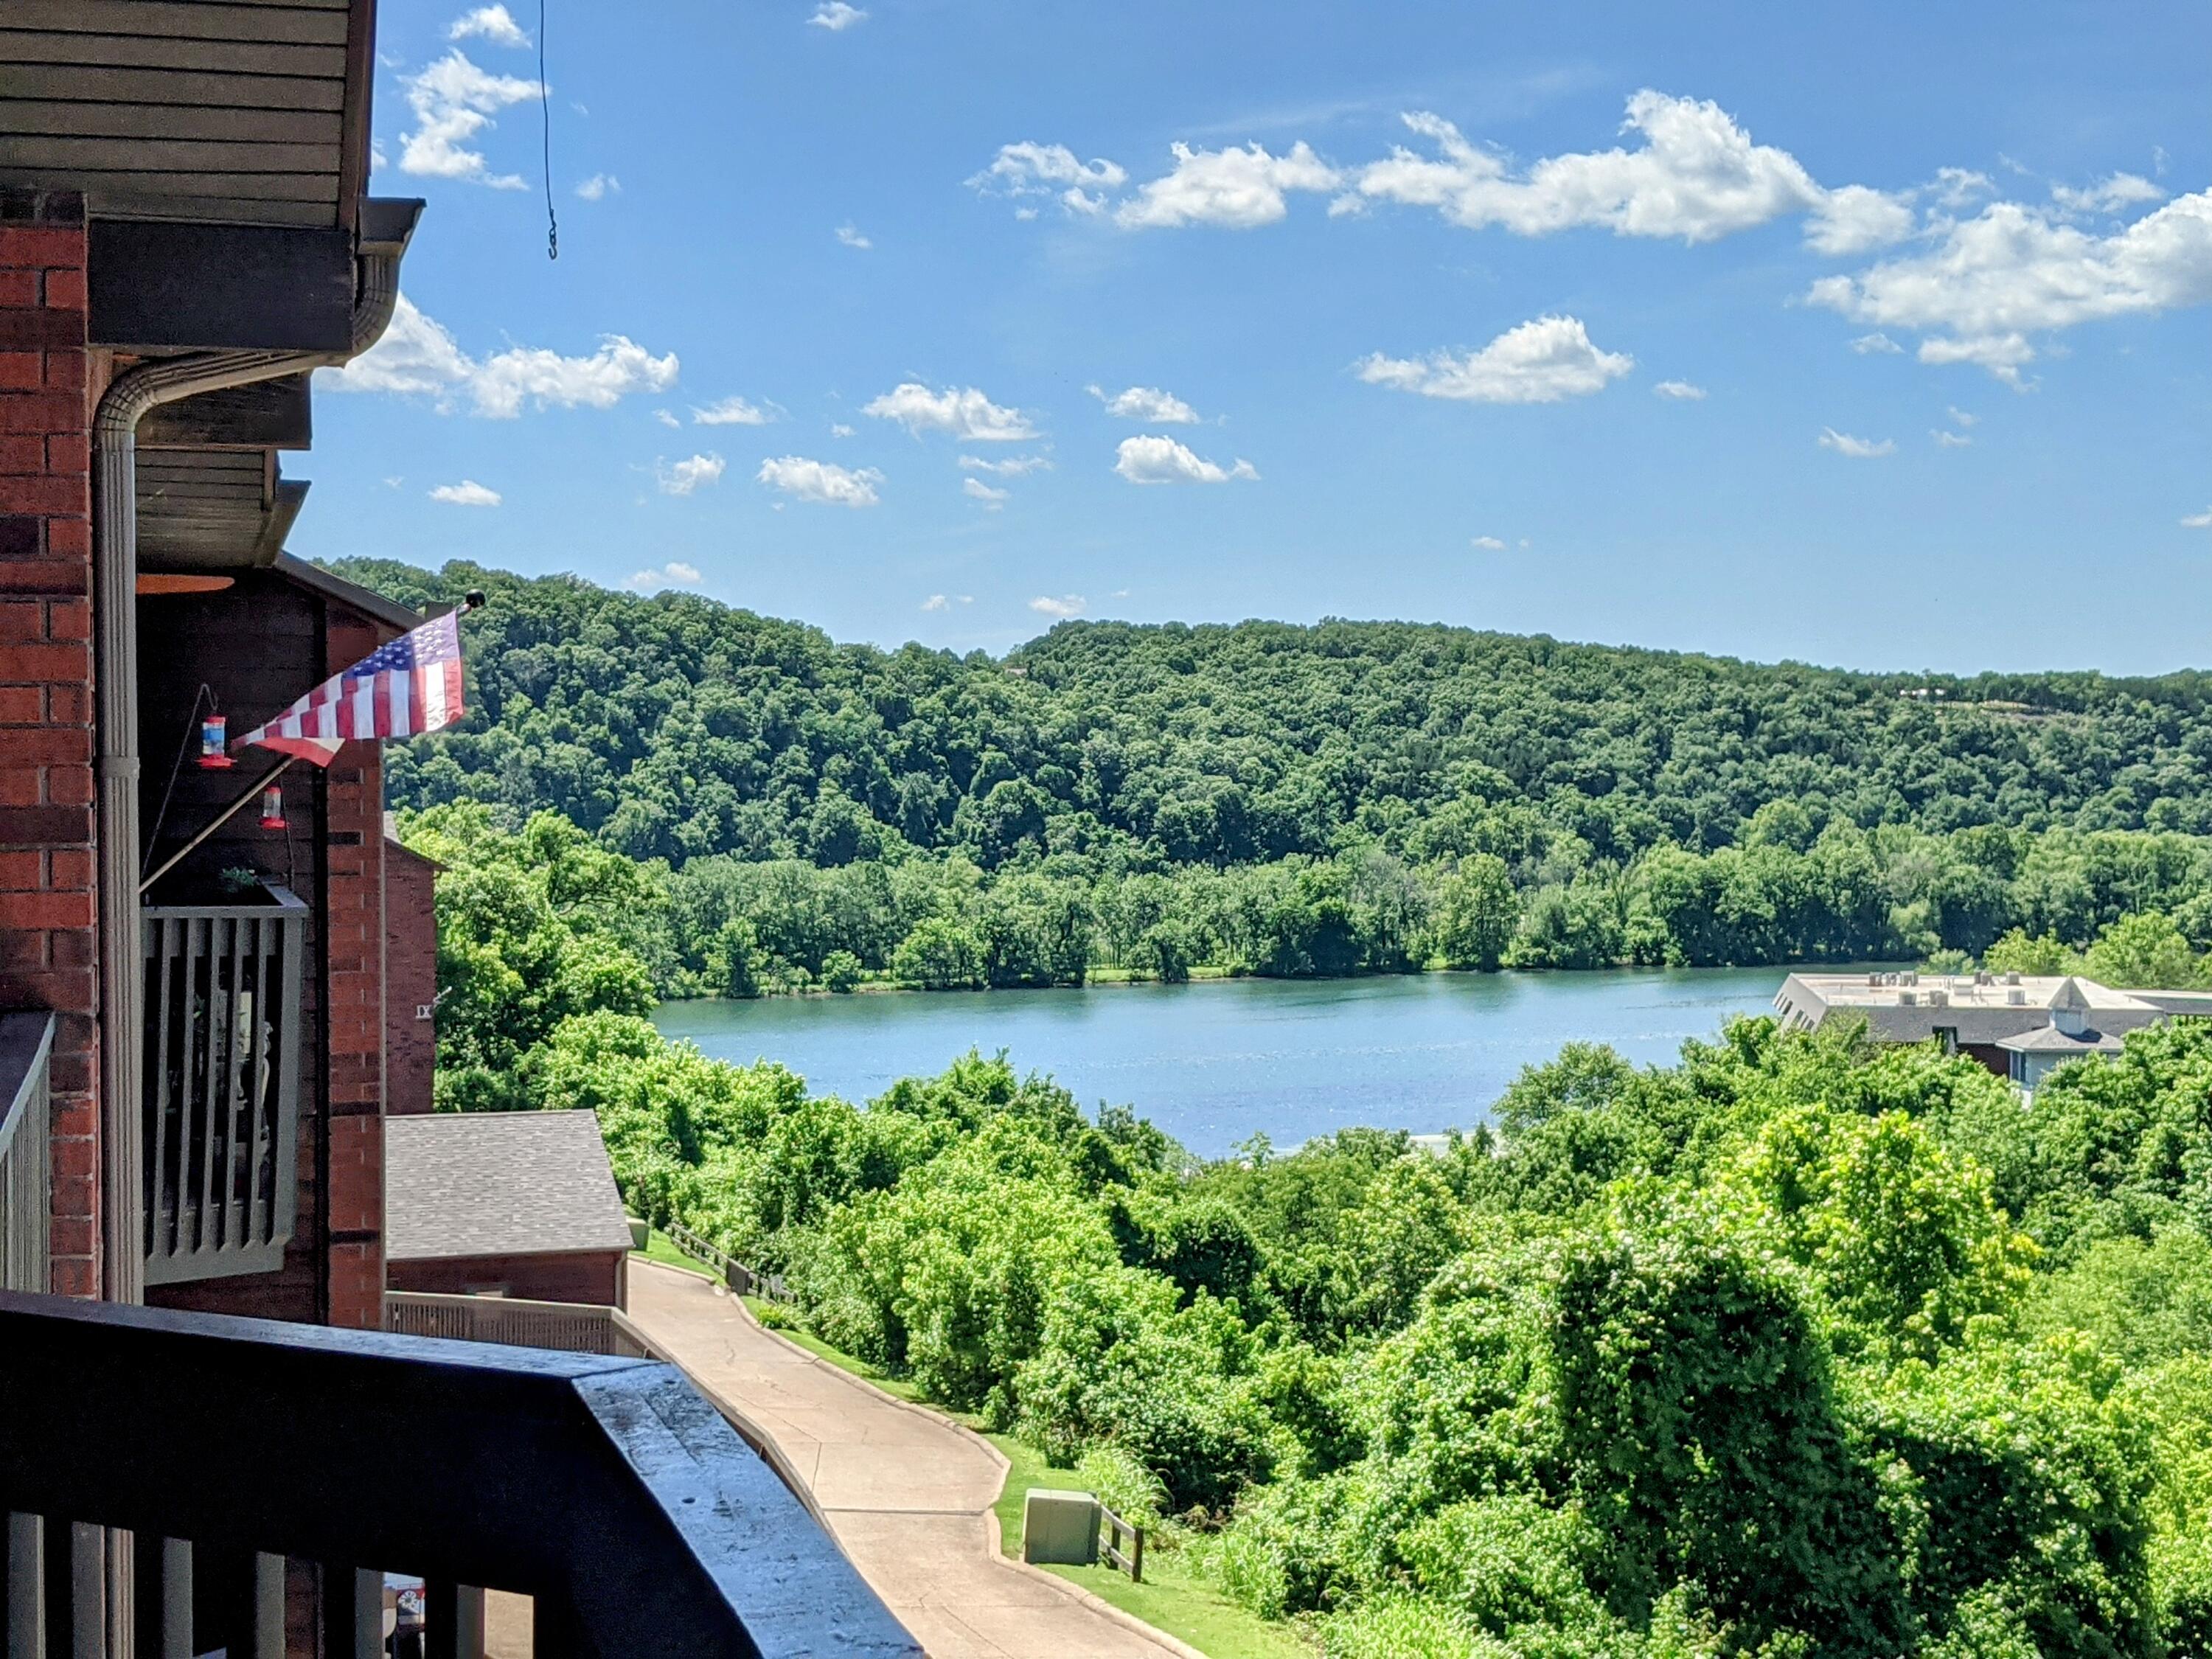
<point>677,726</point>
<point>1354,797</point>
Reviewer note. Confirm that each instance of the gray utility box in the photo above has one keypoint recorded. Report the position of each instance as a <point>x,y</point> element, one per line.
<point>1061,1528</point>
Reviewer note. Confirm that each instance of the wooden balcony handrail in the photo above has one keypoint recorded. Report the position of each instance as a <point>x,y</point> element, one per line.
<point>606,1487</point>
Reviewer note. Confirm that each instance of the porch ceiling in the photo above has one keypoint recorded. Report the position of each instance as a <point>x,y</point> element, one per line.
<point>213,509</point>
<point>248,113</point>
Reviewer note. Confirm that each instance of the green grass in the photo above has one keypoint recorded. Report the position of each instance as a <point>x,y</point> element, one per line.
<point>1172,1598</point>
<point>658,1247</point>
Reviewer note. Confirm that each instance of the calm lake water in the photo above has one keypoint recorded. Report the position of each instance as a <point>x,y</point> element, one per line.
<point>1212,1063</point>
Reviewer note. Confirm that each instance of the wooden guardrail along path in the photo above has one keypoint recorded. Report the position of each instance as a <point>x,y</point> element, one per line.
<point>744,1280</point>
<point>1113,1530</point>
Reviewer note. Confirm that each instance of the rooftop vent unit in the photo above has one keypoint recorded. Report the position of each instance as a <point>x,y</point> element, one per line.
<point>1936,997</point>
<point>2013,978</point>
<point>1874,982</point>
<point>1909,976</point>
<point>1982,976</point>
<point>1908,998</point>
<point>2015,997</point>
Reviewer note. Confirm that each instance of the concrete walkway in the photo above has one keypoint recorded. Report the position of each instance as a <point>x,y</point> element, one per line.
<point>906,1494</point>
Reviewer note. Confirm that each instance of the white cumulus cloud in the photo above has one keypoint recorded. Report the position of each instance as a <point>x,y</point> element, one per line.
<point>1541,361</point>
<point>599,185</point>
<point>1068,604</point>
<point>1856,219</point>
<point>1152,459</point>
<point>960,411</point>
<point>467,493</point>
<point>2122,190</point>
<point>2012,270</point>
<point>1696,175</point>
<point>674,573</point>
<point>1234,188</point>
<point>1876,342</point>
<point>418,356</point>
<point>1961,417</point>
<point>1858,448</point>
<point>850,237</point>
<point>2198,520</point>
<point>1489,544</point>
<point>453,101</point>
<point>493,23</point>
<point>1949,439</point>
<point>976,490</point>
<point>1145,403</point>
<point>937,602</point>
<point>1680,391</point>
<point>837,16</point>
<point>821,481</point>
<point>1028,170</point>
<point>1011,467</point>
<point>681,478</point>
<point>732,411</point>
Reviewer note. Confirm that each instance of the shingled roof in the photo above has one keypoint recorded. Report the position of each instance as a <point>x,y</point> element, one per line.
<point>498,1183</point>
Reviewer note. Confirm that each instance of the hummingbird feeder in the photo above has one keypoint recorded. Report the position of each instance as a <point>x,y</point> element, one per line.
<point>214,758</point>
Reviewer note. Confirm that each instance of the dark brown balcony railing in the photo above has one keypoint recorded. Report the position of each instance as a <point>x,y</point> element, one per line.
<point>570,1327</point>
<point>244,1455</point>
<point>222,1084</point>
<point>26,1203</point>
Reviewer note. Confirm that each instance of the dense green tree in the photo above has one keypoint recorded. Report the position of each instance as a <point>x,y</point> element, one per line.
<point>1316,800</point>
<point>1477,911</point>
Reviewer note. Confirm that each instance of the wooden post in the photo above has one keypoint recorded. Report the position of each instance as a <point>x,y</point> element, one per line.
<point>26,1587</point>
<point>175,1611</point>
<point>268,1607</point>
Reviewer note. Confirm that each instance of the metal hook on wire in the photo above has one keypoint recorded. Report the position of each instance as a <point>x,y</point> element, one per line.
<point>545,112</point>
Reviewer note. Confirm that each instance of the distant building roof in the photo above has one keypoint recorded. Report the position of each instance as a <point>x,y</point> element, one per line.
<point>2196,1004</point>
<point>499,1183</point>
<point>2050,1040</point>
<point>1901,1008</point>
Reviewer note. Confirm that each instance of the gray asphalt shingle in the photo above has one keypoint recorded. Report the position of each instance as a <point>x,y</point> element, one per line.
<point>498,1183</point>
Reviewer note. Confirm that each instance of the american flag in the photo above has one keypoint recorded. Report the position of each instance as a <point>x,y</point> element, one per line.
<point>402,690</point>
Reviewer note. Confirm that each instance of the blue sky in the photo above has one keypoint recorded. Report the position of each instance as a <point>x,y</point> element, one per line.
<point>1878,336</point>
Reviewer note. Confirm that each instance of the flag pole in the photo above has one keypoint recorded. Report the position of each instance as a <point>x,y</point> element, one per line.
<point>217,823</point>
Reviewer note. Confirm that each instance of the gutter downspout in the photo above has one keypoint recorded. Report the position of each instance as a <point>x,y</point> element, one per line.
<point>115,581</point>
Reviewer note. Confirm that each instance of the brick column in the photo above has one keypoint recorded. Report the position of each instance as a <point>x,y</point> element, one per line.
<point>353,923</point>
<point>49,916</point>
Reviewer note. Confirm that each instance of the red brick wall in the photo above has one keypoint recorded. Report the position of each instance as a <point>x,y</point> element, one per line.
<point>353,984</point>
<point>410,978</point>
<point>596,1276</point>
<point>48,913</point>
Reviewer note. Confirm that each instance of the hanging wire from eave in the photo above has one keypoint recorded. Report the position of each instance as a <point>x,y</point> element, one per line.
<point>545,112</point>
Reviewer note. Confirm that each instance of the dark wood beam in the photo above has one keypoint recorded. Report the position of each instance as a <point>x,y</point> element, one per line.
<point>173,285</point>
<point>360,88</point>
<point>286,500</point>
<point>267,414</point>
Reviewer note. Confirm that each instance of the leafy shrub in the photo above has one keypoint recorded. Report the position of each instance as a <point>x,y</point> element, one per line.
<point>1122,1483</point>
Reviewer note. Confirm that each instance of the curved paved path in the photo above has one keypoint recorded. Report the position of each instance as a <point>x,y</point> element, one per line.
<point>908,1494</point>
